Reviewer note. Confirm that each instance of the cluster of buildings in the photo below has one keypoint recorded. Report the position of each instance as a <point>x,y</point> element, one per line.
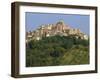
<point>60,28</point>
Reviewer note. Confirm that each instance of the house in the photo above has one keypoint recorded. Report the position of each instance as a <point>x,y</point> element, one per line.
<point>60,28</point>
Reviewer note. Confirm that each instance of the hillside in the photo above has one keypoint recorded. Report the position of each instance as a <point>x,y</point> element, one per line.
<point>57,50</point>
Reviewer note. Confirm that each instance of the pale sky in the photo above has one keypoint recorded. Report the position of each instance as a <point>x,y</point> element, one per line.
<point>34,20</point>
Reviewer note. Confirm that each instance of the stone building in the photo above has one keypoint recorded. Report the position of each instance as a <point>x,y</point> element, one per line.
<point>60,28</point>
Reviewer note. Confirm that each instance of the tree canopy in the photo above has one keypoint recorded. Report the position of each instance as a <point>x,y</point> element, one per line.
<point>55,50</point>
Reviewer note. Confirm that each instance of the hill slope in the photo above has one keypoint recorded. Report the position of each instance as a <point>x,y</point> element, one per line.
<point>57,50</point>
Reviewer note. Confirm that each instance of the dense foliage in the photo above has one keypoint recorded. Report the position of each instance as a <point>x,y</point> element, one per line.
<point>57,50</point>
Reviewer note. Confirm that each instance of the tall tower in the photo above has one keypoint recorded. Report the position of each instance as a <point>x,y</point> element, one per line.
<point>60,25</point>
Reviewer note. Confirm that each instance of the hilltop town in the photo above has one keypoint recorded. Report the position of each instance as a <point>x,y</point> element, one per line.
<point>59,28</point>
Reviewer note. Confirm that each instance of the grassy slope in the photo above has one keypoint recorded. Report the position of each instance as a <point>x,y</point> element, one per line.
<point>57,50</point>
<point>76,56</point>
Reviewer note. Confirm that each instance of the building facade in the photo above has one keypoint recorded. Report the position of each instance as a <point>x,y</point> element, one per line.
<point>54,29</point>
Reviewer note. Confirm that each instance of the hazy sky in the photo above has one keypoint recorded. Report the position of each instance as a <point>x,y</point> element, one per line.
<point>34,20</point>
